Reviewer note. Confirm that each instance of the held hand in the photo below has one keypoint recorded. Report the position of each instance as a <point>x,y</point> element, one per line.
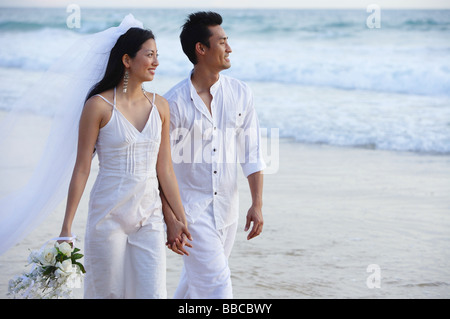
<point>177,237</point>
<point>178,246</point>
<point>254,216</point>
<point>65,234</point>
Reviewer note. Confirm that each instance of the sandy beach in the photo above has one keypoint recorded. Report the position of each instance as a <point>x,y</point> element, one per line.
<point>330,212</point>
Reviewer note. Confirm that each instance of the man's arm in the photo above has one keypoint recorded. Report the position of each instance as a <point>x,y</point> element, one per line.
<point>254,214</point>
<point>252,166</point>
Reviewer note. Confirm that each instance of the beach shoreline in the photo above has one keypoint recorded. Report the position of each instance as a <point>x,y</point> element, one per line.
<point>330,212</point>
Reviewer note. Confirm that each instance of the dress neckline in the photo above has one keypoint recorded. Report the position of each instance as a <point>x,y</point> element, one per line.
<point>125,118</point>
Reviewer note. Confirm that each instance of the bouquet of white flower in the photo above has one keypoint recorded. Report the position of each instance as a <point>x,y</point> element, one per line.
<point>55,271</point>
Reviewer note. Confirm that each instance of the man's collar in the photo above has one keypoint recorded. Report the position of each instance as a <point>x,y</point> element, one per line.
<point>212,89</point>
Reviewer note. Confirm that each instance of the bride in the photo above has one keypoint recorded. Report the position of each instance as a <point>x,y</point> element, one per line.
<point>128,128</point>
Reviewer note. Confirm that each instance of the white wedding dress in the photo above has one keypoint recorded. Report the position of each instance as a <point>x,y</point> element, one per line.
<point>125,234</point>
<point>59,96</point>
<point>125,237</point>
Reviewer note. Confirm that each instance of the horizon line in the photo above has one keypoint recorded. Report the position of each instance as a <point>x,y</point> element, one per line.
<point>15,6</point>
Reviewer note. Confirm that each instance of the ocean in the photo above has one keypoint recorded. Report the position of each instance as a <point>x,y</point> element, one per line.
<point>319,76</point>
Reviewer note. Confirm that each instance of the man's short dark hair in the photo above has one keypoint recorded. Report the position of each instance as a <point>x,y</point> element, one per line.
<point>196,30</point>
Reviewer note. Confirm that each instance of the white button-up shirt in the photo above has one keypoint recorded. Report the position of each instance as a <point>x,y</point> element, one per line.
<point>206,147</point>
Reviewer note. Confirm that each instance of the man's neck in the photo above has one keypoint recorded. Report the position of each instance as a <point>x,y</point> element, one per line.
<point>203,79</point>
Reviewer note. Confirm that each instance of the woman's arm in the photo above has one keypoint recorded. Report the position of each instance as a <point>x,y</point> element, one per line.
<point>90,123</point>
<point>173,208</point>
<point>176,230</point>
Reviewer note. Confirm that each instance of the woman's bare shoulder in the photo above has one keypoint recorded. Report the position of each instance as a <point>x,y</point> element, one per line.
<point>97,103</point>
<point>97,110</point>
<point>163,107</point>
<point>161,104</point>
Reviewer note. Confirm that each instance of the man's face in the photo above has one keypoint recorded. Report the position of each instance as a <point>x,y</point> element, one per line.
<point>217,55</point>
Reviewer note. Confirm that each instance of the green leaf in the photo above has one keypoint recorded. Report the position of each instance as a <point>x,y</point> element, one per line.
<point>81,267</point>
<point>76,256</point>
<point>48,270</point>
<point>61,257</point>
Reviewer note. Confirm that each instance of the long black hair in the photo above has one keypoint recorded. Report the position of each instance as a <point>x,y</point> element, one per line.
<point>128,43</point>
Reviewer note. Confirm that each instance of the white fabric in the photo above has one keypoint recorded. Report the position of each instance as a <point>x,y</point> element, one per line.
<point>60,97</point>
<point>207,147</point>
<point>125,235</point>
<point>126,266</point>
<point>205,273</point>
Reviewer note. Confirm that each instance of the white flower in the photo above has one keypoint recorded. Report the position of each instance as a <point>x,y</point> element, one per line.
<point>64,269</point>
<point>48,256</point>
<point>65,248</point>
<point>45,282</point>
<point>33,257</point>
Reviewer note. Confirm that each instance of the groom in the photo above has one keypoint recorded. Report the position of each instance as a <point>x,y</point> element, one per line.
<point>213,127</point>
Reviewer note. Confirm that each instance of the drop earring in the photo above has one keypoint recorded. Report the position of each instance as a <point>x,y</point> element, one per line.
<point>125,82</point>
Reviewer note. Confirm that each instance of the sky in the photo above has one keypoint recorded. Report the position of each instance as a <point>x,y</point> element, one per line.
<point>413,4</point>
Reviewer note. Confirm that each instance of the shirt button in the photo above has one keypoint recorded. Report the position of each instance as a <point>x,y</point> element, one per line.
<point>215,193</point>
<point>214,149</point>
<point>215,172</point>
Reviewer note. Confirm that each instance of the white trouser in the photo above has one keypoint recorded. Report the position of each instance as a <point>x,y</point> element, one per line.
<point>120,265</point>
<point>205,273</point>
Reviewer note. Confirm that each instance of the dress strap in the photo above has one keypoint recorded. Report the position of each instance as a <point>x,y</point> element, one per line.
<point>107,100</point>
<point>154,97</point>
<point>104,99</point>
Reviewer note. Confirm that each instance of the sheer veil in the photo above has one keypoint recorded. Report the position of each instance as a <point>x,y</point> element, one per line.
<point>60,94</point>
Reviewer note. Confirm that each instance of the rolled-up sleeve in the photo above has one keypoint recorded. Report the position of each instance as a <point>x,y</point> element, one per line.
<point>249,141</point>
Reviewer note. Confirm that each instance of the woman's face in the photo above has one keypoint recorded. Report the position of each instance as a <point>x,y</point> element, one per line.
<point>143,66</point>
